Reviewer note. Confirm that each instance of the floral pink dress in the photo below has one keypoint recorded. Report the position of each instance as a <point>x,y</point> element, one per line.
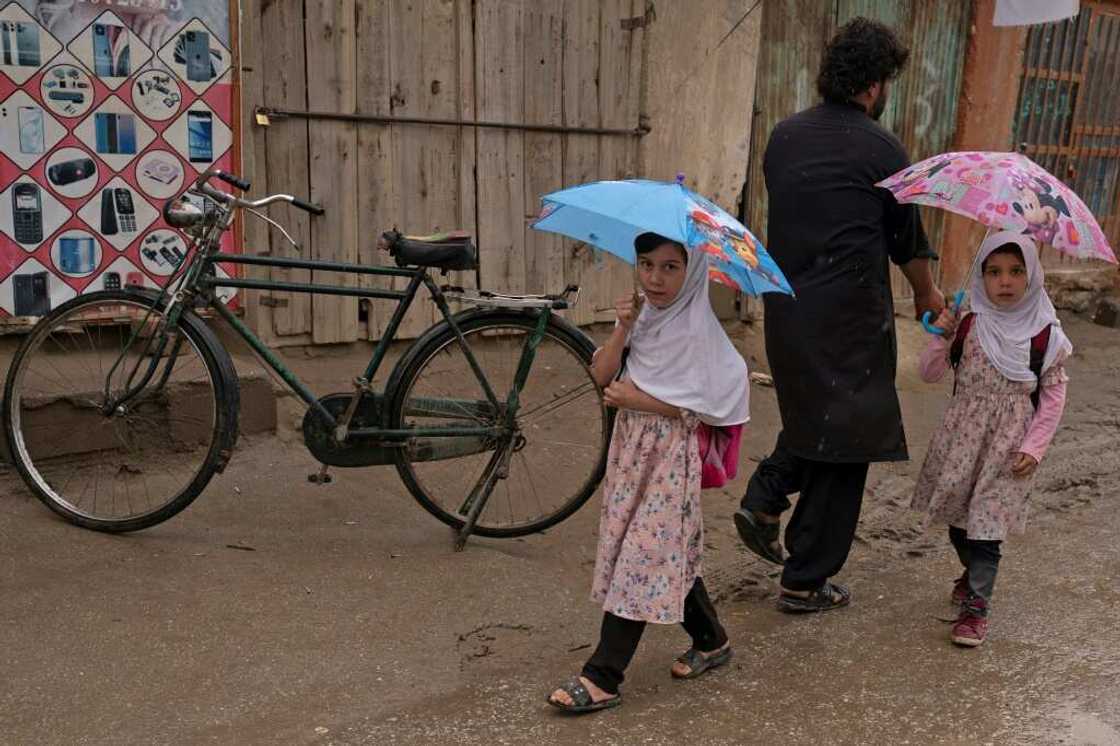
<point>650,530</point>
<point>966,480</point>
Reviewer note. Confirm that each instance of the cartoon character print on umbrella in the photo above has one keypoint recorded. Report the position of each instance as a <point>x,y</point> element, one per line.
<point>1041,208</point>
<point>707,235</point>
<point>718,237</point>
<point>716,276</point>
<point>918,176</point>
<point>714,238</point>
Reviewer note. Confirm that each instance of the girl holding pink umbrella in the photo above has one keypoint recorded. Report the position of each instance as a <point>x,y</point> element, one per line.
<point>1007,355</point>
<point>1009,394</point>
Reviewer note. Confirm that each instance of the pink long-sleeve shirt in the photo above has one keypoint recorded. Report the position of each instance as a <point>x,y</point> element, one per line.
<point>934,364</point>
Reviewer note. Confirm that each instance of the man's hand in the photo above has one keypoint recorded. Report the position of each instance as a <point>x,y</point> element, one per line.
<point>927,297</point>
<point>1024,465</point>
<point>932,300</point>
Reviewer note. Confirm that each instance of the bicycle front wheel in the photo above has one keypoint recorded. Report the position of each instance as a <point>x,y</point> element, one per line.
<point>563,427</point>
<point>102,462</point>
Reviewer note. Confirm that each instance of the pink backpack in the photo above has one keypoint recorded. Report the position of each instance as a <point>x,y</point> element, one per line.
<point>719,454</point>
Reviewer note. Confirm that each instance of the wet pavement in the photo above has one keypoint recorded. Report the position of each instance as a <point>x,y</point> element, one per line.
<point>276,611</point>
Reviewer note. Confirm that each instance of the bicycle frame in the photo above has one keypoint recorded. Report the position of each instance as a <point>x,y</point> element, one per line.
<point>417,277</point>
<point>201,276</point>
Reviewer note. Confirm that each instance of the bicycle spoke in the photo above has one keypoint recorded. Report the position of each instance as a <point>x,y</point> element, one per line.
<point>558,402</point>
<point>68,351</point>
<point>567,443</point>
<point>529,475</point>
<point>509,497</point>
<point>63,379</point>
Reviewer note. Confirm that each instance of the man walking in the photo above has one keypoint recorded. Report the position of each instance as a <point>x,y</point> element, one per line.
<point>832,351</point>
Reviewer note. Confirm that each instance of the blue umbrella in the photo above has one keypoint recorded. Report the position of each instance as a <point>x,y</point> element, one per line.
<point>611,214</point>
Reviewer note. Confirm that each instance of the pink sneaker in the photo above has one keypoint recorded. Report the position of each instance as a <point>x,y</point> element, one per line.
<point>971,627</point>
<point>961,589</point>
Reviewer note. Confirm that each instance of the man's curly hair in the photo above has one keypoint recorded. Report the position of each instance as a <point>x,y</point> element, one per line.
<point>862,53</point>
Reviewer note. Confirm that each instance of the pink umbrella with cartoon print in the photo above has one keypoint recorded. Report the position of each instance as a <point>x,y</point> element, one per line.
<point>1004,191</point>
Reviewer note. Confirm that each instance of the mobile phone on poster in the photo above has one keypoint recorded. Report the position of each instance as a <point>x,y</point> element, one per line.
<point>27,44</point>
<point>27,213</point>
<point>32,294</point>
<point>126,211</point>
<point>7,29</point>
<point>115,133</point>
<point>126,134</point>
<point>110,51</point>
<point>200,141</point>
<point>105,132</point>
<point>31,129</point>
<point>196,52</point>
<point>102,53</point>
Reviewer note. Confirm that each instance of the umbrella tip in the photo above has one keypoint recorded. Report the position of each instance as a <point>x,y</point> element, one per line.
<point>680,177</point>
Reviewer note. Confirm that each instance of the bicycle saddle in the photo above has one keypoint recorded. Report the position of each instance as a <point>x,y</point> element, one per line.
<point>447,251</point>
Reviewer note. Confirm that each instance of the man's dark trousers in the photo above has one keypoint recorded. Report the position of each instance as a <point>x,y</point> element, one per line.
<point>820,533</point>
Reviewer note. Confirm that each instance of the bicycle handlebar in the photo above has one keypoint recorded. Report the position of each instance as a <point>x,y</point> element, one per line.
<point>202,186</point>
<point>234,181</point>
<point>313,209</point>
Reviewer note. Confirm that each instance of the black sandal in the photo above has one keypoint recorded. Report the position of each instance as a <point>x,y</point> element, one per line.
<point>699,663</point>
<point>822,599</point>
<point>759,537</point>
<point>581,698</point>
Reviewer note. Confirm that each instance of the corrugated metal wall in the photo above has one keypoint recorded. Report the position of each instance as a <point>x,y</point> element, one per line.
<point>1068,117</point>
<point>922,109</point>
<point>794,34</point>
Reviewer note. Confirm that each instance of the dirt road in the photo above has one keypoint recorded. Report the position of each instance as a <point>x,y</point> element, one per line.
<point>275,611</point>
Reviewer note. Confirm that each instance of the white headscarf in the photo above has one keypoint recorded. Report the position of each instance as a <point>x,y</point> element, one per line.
<point>681,355</point>
<point>1005,333</point>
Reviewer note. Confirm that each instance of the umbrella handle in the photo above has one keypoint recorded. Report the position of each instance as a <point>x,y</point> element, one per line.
<point>927,317</point>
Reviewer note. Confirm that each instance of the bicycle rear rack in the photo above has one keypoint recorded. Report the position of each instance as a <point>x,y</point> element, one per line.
<point>489,299</point>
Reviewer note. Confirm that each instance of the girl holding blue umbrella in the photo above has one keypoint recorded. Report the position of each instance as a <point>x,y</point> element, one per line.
<point>679,370</point>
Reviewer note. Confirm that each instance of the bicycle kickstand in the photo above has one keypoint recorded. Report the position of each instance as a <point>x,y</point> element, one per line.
<point>500,471</point>
<point>472,518</point>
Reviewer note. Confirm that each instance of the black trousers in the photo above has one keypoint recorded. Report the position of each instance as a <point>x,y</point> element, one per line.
<point>618,639</point>
<point>980,560</point>
<point>819,535</point>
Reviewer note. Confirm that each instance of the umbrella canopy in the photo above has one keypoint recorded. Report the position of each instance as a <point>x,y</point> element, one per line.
<point>1005,191</point>
<point>611,214</point>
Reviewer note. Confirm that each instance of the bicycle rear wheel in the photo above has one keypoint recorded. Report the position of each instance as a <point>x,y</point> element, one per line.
<point>563,425</point>
<point>134,465</point>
